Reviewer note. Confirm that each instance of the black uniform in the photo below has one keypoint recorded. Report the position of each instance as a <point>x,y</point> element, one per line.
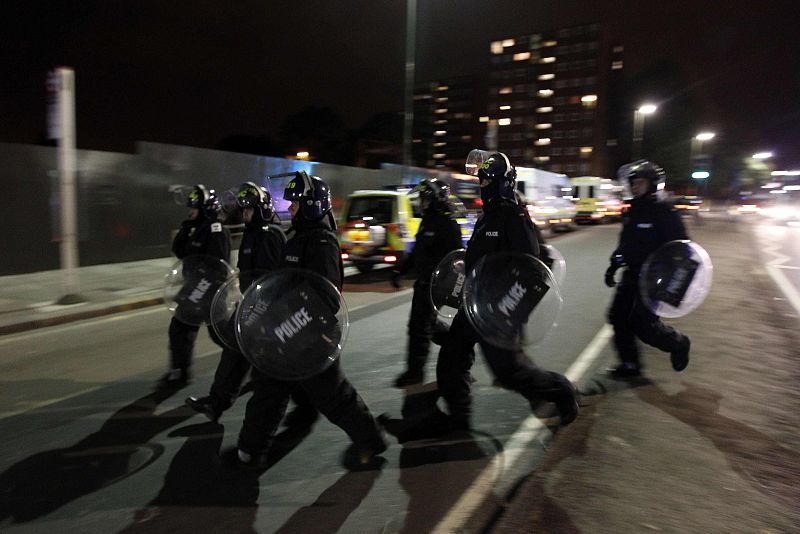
<point>648,224</point>
<point>199,236</point>
<point>313,246</point>
<point>503,227</point>
<point>259,253</point>
<point>438,234</point>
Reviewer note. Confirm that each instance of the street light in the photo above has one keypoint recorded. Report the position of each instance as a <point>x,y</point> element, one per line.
<point>762,155</point>
<point>638,126</point>
<point>698,161</point>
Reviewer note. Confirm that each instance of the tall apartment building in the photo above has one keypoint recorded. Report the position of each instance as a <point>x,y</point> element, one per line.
<point>446,124</point>
<point>551,100</point>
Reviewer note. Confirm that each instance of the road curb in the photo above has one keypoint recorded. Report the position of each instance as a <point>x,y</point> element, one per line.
<point>78,316</point>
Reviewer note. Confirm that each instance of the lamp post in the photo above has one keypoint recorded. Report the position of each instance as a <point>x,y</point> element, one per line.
<point>701,167</point>
<point>638,127</point>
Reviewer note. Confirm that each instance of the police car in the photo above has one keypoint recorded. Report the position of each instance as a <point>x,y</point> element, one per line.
<point>378,226</point>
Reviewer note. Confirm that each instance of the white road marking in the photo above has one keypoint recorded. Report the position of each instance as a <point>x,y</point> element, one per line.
<point>531,429</point>
<point>772,245</point>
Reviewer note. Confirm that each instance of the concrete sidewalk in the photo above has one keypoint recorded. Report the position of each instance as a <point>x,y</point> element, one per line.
<point>29,301</point>
<point>714,448</point>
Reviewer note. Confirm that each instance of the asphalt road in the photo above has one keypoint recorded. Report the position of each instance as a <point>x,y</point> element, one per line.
<point>86,446</point>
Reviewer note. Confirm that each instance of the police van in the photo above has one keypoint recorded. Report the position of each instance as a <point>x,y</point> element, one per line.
<point>597,200</point>
<point>548,198</point>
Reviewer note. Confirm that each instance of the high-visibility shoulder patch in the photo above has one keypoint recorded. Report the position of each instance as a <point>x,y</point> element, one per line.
<point>216,227</point>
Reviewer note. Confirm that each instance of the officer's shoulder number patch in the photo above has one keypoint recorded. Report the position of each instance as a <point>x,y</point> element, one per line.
<point>216,227</point>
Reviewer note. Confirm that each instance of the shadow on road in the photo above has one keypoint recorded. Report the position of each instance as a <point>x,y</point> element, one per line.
<point>46,481</point>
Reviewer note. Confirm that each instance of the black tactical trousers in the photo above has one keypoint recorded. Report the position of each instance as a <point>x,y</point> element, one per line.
<point>182,337</point>
<point>512,368</point>
<point>330,392</point>
<point>421,323</point>
<point>631,319</point>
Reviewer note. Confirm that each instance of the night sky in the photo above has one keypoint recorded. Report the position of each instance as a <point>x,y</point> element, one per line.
<point>195,72</point>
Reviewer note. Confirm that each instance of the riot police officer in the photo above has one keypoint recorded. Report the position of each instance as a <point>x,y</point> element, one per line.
<point>312,245</point>
<point>649,223</point>
<point>438,234</point>
<point>201,233</point>
<point>503,226</point>
<point>259,253</point>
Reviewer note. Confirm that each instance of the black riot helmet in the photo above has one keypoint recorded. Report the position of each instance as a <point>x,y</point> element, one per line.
<point>647,170</point>
<point>311,192</point>
<point>497,177</point>
<point>254,196</point>
<point>433,194</point>
<point>205,200</point>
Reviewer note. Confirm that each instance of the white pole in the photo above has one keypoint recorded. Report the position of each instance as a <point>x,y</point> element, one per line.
<point>66,172</point>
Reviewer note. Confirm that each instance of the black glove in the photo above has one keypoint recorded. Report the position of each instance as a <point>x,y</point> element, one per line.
<point>395,280</point>
<point>609,278</point>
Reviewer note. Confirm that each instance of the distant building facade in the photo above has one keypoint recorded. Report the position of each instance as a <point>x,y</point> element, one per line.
<point>446,124</point>
<point>551,100</point>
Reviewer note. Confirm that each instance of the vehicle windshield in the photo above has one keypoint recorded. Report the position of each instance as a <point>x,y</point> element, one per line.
<point>376,210</point>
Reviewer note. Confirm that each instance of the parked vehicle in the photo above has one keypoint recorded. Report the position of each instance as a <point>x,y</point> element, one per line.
<point>597,200</point>
<point>379,226</point>
<point>547,194</point>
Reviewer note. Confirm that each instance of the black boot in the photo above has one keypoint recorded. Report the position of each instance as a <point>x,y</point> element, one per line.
<point>205,406</point>
<point>174,379</point>
<point>680,358</point>
<point>625,370</point>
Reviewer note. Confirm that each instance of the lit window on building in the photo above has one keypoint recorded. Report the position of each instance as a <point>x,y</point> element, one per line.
<point>483,119</point>
<point>544,77</point>
<point>440,132</point>
<point>548,59</point>
<point>508,42</point>
<point>544,126</point>
<point>440,121</point>
<point>542,159</point>
<point>440,143</point>
<point>544,109</point>
<point>589,101</point>
<point>522,56</point>
<point>542,141</point>
<point>443,88</point>
<point>441,110</point>
<point>551,42</point>
<point>505,108</point>
<point>586,150</point>
<point>618,49</point>
<point>544,92</point>
<point>616,65</point>
<point>417,141</point>
<point>439,155</point>
<point>466,137</point>
<point>496,47</point>
<point>441,99</point>
<point>504,122</point>
<point>506,90</point>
